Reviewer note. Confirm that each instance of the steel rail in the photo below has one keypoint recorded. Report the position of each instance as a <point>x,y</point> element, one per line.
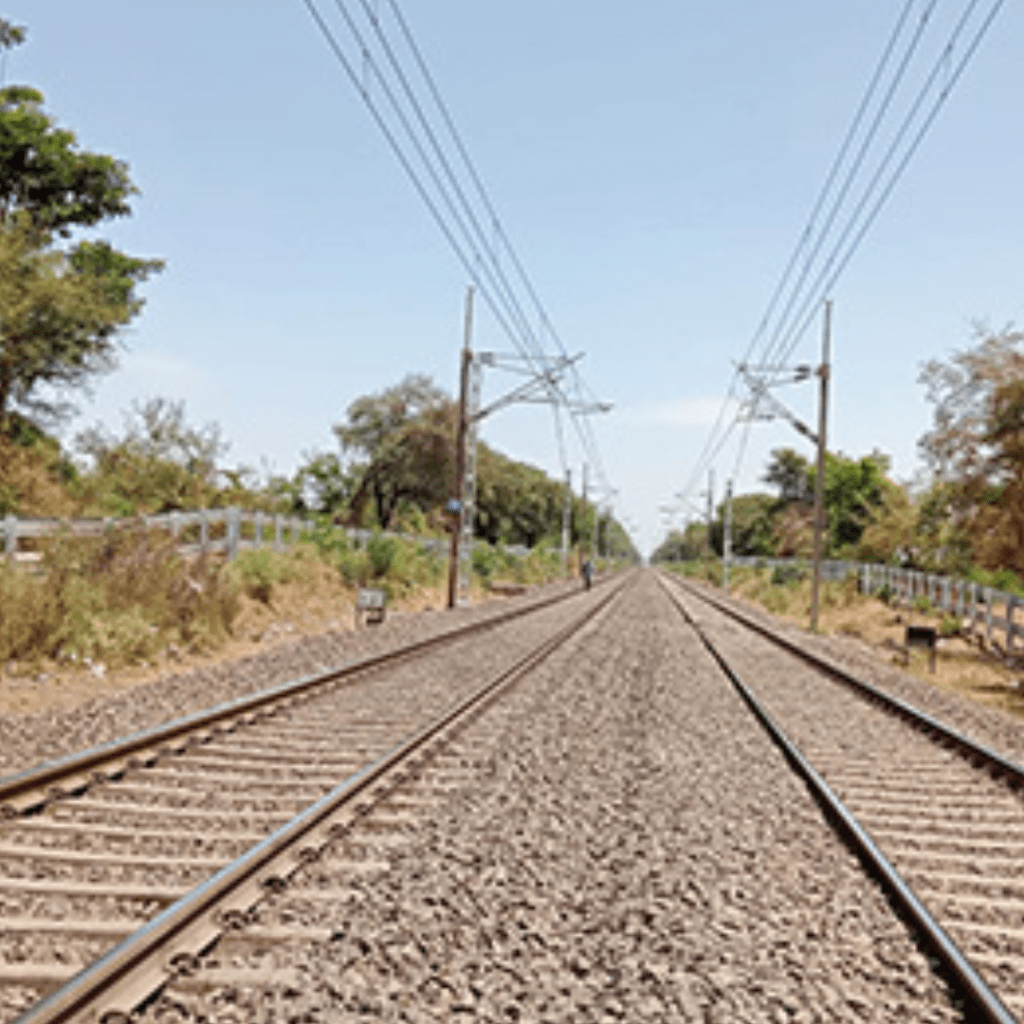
<point>1011,772</point>
<point>985,1003</point>
<point>34,787</point>
<point>109,990</point>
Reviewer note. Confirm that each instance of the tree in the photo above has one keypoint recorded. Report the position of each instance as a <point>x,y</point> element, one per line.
<point>374,419</point>
<point>323,484</point>
<point>788,470</point>
<point>963,390</point>
<point>60,309</point>
<point>406,436</point>
<point>753,531</point>
<point>975,450</point>
<point>853,488</point>
<point>159,464</point>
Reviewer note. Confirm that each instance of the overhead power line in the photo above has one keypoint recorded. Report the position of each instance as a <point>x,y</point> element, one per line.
<point>420,130</point>
<point>855,191</point>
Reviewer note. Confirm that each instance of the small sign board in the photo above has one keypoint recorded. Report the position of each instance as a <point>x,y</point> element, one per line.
<point>922,636</point>
<point>370,602</point>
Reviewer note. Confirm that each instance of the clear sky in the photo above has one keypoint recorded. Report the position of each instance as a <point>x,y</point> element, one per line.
<point>652,163</point>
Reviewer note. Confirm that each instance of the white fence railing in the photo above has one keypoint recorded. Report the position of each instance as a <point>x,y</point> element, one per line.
<point>984,612</point>
<point>223,530</point>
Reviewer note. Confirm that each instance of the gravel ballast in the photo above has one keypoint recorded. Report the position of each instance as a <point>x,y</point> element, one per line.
<point>30,739</point>
<point>1002,732</point>
<point>632,847</point>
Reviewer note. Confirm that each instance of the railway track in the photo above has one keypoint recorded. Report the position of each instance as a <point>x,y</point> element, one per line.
<point>939,818</point>
<point>119,865</point>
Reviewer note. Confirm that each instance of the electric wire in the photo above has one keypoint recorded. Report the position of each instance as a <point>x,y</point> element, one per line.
<point>581,390</point>
<point>855,166</point>
<point>839,260</point>
<point>479,267</point>
<point>407,166</point>
<point>468,237</point>
<point>833,173</point>
<point>509,297</point>
<point>803,240</point>
<point>787,336</point>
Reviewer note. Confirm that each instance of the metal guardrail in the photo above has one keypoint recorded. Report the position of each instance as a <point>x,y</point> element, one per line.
<point>984,612</point>
<point>226,530</point>
<point>222,530</point>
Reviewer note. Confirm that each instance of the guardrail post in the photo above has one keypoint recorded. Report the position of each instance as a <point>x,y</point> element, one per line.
<point>278,542</point>
<point>987,591</point>
<point>1011,629</point>
<point>257,528</point>
<point>10,537</point>
<point>234,529</point>
<point>204,530</point>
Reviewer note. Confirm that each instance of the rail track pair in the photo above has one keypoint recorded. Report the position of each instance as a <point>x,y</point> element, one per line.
<point>232,811</point>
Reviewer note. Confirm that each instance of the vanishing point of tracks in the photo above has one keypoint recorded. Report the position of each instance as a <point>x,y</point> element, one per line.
<point>118,866</point>
<point>938,818</point>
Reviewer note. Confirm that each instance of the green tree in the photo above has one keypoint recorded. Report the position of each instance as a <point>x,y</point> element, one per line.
<point>685,546</point>
<point>753,530</point>
<point>787,470</point>
<point>853,488</point>
<point>960,446</point>
<point>60,308</point>
<point>159,464</point>
<point>974,512</point>
<point>323,484</point>
<point>405,438</point>
<point>516,503</point>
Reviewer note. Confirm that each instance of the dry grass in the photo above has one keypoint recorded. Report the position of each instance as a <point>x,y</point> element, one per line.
<point>960,666</point>
<point>311,603</point>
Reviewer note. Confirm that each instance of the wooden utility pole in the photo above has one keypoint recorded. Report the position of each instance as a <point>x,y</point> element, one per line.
<point>711,511</point>
<point>819,476</point>
<point>583,520</point>
<point>566,520</point>
<point>727,537</point>
<point>460,455</point>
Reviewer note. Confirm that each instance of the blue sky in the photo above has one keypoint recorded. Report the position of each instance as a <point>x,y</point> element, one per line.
<point>652,163</point>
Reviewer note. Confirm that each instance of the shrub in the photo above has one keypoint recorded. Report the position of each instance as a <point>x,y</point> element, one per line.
<point>381,551</point>
<point>949,626</point>
<point>788,575</point>
<point>116,598</point>
<point>777,600</point>
<point>486,560</point>
<point>1007,580</point>
<point>258,571</point>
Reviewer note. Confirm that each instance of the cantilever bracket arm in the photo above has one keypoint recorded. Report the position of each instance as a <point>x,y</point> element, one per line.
<point>760,393</point>
<point>541,388</point>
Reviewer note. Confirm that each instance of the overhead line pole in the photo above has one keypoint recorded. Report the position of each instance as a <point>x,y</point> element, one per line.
<point>583,520</point>
<point>458,509</point>
<point>819,476</point>
<point>566,515</point>
<point>727,536</point>
<point>711,509</point>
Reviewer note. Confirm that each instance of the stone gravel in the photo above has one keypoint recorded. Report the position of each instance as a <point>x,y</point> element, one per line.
<point>633,848</point>
<point>999,730</point>
<point>27,740</point>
